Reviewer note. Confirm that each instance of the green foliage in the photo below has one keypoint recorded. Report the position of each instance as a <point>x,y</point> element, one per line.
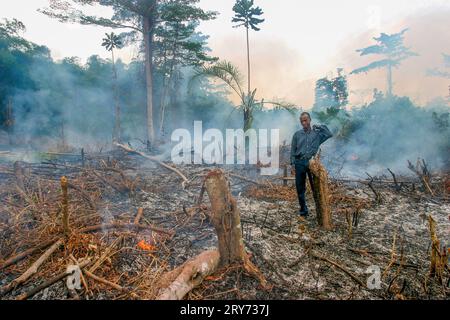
<point>246,14</point>
<point>231,76</point>
<point>111,41</point>
<point>331,93</point>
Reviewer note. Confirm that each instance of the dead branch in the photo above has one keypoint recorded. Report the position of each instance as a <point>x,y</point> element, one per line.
<point>190,275</point>
<point>106,254</point>
<point>50,282</point>
<point>104,281</point>
<point>25,254</point>
<point>378,196</point>
<point>139,216</point>
<point>178,172</point>
<point>393,256</point>
<point>397,186</point>
<point>321,257</point>
<point>423,176</point>
<point>84,195</point>
<point>244,178</point>
<point>117,225</point>
<point>32,270</point>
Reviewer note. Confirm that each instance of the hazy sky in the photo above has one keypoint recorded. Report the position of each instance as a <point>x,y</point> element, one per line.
<point>300,41</point>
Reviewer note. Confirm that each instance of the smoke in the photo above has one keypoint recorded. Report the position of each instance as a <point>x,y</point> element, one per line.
<point>427,36</point>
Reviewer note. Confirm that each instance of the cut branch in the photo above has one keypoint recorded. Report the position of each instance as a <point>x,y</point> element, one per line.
<point>178,172</point>
<point>32,270</point>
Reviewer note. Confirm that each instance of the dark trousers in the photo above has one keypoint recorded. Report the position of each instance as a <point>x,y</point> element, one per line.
<point>301,170</point>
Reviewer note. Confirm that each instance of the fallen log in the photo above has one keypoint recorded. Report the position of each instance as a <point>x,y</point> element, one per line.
<point>321,192</point>
<point>188,276</point>
<point>178,172</point>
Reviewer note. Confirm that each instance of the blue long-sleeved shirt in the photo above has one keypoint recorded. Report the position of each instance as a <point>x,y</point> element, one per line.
<point>306,144</point>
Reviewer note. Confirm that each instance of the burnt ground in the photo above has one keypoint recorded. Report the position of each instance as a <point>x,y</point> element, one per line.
<point>298,258</point>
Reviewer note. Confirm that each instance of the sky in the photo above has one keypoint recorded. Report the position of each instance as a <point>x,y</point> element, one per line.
<point>300,41</point>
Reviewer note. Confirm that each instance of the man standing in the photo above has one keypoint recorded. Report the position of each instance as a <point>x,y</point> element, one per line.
<point>305,144</point>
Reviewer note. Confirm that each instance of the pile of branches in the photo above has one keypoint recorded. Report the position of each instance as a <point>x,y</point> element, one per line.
<point>55,227</point>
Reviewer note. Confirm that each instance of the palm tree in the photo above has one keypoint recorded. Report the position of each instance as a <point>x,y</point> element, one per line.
<point>230,75</point>
<point>111,42</point>
<point>246,15</point>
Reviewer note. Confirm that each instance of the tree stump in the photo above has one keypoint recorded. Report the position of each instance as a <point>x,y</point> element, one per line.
<point>226,218</point>
<point>321,193</point>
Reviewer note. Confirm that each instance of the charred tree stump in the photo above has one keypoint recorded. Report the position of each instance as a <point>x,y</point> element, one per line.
<point>321,193</point>
<point>438,259</point>
<point>226,218</point>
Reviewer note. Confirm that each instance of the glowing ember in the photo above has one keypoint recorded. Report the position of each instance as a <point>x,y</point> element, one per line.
<point>145,246</point>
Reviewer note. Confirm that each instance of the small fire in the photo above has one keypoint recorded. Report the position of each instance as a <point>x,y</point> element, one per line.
<point>145,246</point>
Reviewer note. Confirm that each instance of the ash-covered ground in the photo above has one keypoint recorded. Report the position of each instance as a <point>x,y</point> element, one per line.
<point>298,258</point>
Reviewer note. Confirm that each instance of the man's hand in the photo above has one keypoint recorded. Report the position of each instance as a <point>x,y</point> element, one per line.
<point>292,170</point>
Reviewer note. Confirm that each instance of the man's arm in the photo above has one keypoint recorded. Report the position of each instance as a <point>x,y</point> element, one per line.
<point>293,149</point>
<point>324,133</point>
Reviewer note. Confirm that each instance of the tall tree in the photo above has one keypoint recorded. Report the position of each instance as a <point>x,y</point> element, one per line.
<point>393,51</point>
<point>177,44</point>
<point>111,42</point>
<point>246,14</point>
<point>137,16</point>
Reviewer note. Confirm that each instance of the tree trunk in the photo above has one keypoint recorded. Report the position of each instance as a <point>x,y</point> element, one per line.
<point>169,80</point>
<point>226,219</point>
<point>248,62</point>
<point>321,193</point>
<point>116,132</point>
<point>389,80</point>
<point>148,43</point>
<point>9,120</point>
<point>248,119</point>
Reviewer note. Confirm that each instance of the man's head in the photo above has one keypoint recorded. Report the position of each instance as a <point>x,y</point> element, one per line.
<point>305,120</point>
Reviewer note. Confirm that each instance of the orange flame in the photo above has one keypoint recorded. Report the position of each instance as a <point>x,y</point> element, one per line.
<point>145,246</point>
